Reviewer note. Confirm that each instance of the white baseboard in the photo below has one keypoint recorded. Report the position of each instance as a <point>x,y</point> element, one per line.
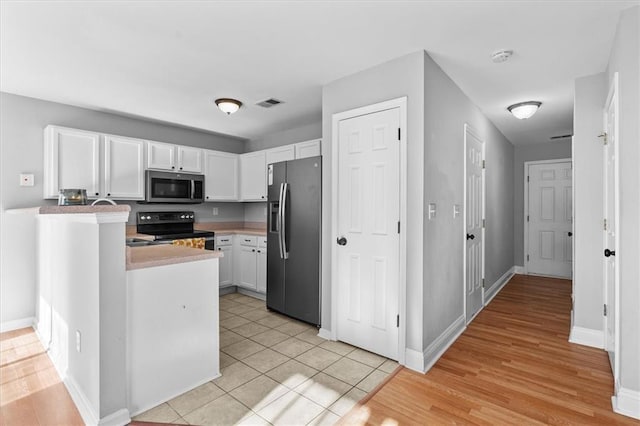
<point>498,285</point>
<point>587,337</point>
<point>627,403</point>
<point>518,269</point>
<point>324,333</point>
<point>119,418</point>
<point>17,324</point>
<point>85,408</point>
<point>423,361</point>
<point>250,293</point>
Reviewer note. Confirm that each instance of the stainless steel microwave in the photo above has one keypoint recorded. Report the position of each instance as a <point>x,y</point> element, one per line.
<point>171,187</point>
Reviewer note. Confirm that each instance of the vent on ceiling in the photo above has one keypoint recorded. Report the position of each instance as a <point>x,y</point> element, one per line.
<point>268,103</point>
<point>553,138</point>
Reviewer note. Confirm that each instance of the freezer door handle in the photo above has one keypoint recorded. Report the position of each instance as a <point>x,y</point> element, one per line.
<point>283,222</point>
<point>279,221</point>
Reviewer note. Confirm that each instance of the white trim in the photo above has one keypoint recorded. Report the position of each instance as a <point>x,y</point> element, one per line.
<point>423,361</point>
<point>85,408</point>
<point>627,403</point>
<point>17,324</point>
<point>518,269</point>
<point>526,207</point>
<point>401,104</point>
<point>587,337</point>
<point>475,134</point>
<point>325,334</point>
<point>498,285</point>
<point>119,418</point>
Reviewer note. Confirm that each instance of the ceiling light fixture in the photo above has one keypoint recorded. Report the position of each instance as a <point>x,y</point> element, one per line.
<point>524,110</point>
<point>228,105</point>
<point>501,55</point>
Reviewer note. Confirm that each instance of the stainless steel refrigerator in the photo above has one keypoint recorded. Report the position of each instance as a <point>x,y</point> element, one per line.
<point>293,238</point>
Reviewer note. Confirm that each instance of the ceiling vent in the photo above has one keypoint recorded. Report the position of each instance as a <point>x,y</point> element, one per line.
<point>268,103</point>
<point>553,138</point>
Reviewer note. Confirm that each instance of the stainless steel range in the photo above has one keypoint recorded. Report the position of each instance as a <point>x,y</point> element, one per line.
<point>167,227</point>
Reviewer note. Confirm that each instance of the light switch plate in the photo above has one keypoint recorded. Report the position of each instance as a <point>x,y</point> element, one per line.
<point>26,179</point>
<point>456,210</point>
<point>432,211</point>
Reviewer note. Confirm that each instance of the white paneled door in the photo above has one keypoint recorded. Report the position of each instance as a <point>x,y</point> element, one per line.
<point>474,215</point>
<point>368,231</point>
<point>549,219</point>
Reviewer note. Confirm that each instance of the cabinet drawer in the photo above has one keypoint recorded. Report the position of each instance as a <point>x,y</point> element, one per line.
<point>224,240</point>
<point>247,240</point>
<point>262,241</point>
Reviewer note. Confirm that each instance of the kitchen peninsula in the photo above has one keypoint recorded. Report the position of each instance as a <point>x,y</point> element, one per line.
<point>126,328</point>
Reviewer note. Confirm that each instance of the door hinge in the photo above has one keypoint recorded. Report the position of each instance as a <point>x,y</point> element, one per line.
<point>484,165</point>
<point>603,135</point>
<point>527,178</point>
<point>398,227</point>
<point>605,309</point>
<point>527,258</point>
<point>397,320</point>
<point>483,223</point>
<point>605,224</point>
<point>398,133</point>
<point>483,283</point>
<point>527,218</point>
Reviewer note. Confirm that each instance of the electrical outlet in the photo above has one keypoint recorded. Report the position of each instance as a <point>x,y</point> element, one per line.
<point>78,341</point>
<point>456,210</point>
<point>215,211</point>
<point>26,179</point>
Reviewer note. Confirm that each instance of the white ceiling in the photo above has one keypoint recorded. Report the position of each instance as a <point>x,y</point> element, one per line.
<point>168,61</point>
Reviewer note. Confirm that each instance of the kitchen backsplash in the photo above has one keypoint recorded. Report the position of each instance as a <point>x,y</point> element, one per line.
<point>255,212</point>
<point>227,212</point>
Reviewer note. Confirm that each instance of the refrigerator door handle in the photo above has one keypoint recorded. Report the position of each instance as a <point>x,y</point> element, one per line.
<point>283,222</point>
<point>279,221</point>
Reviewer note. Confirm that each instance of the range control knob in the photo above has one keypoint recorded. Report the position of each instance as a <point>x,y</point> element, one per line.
<point>148,217</point>
<point>182,217</point>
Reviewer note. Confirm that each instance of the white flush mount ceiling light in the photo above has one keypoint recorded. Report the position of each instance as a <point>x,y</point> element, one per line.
<point>228,105</point>
<point>524,110</point>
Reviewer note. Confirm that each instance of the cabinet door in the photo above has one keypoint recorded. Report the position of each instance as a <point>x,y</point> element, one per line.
<point>189,159</point>
<point>253,177</point>
<point>282,153</point>
<point>123,168</point>
<point>71,160</point>
<point>247,271</point>
<point>221,176</point>
<point>161,156</point>
<point>226,266</point>
<point>308,148</point>
<point>261,270</point>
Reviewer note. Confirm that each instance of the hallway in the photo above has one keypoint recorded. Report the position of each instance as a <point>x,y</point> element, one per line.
<point>512,365</point>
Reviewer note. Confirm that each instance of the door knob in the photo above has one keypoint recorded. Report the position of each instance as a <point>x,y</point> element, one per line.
<point>608,253</point>
<point>470,236</point>
<point>570,234</point>
<point>342,241</point>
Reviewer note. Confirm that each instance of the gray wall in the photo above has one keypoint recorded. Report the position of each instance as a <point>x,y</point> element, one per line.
<point>393,79</point>
<point>624,60</point>
<point>22,121</point>
<point>590,94</point>
<point>522,153</point>
<point>285,137</point>
<point>447,109</point>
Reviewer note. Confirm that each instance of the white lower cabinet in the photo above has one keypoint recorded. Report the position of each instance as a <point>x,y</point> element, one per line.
<point>225,245</point>
<point>251,262</point>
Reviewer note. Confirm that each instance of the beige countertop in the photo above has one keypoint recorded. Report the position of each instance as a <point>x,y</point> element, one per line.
<point>165,254</point>
<point>84,209</point>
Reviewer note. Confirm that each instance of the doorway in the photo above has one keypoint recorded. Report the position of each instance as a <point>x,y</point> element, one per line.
<point>368,186</point>
<point>548,210</point>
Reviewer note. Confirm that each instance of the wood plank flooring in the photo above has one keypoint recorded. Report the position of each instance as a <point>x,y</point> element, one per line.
<point>512,365</point>
<point>31,392</point>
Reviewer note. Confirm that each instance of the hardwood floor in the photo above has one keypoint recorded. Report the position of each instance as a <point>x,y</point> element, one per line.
<point>31,392</point>
<point>512,365</point>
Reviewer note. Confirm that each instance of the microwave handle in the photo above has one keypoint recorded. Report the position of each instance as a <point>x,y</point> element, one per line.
<point>193,189</point>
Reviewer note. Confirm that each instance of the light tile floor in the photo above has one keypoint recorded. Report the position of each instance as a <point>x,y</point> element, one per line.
<point>275,370</point>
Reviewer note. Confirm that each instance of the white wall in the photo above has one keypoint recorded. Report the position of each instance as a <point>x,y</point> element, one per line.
<point>394,79</point>
<point>22,121</point>
<point>287,136</point>
<point>624,60</point>
<point>522,153</point>
<point>447,109</point>
<point>590,94</point>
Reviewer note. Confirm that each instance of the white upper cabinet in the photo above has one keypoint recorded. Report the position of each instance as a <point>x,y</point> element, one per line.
<point>189,159</point>
<point>281,153</point>
<point>311,148</point>
<point>71,160</point>
<point>253,176</point>
<point>123,168</point>
<point>165,156</point>
<point>221,176</point>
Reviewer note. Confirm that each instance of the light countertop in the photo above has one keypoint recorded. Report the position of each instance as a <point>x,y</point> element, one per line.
<point>166,254</point>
